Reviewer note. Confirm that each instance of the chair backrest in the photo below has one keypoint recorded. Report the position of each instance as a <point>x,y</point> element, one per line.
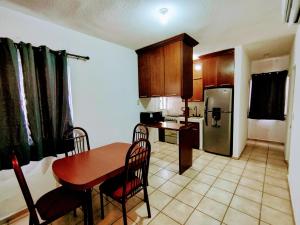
<point>24,188</point>
<point>136,167</point>
<point>76,140</point>
<point>140,131</point>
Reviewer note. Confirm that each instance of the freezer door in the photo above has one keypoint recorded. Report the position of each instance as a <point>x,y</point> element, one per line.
<point>217,136</point>
<point>218,98</point>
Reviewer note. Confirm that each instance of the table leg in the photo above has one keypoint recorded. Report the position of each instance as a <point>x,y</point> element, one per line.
<point>88,211</point>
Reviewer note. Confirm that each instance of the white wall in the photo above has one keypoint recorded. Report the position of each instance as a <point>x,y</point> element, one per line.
<point>104,91</point>
<point>241,96</point>
<point>268,130</point>
<point>294,165</point>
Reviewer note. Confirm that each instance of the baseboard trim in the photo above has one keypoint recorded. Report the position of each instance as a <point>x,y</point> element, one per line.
<point>14,217</point>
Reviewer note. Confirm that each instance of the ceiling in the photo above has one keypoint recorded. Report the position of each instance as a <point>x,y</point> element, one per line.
<point>215,24</point>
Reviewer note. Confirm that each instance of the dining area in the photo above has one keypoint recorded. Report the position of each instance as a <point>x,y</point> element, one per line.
<point>119,170</point>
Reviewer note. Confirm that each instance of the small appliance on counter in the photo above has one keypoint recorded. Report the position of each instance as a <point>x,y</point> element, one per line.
<point>151,117</point>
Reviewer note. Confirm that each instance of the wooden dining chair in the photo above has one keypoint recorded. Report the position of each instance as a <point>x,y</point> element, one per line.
<point>51,205</point>
<point>76,140</point>
<point>140,131</point>
<point>132,180</point>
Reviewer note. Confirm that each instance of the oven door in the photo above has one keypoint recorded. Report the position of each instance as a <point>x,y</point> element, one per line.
<point>171,136</point>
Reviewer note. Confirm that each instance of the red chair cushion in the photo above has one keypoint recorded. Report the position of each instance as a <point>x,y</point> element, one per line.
<point>59,202</point>
<point>114,186</point>
<point>130,186</point>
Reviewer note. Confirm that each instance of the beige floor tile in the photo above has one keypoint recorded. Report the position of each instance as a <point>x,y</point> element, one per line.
<point>230,177</point>
<point>111,214</point>
<point>178,211</point>
<point>191,173</point>
<point>180,180</point>
<point>276,182</point>
<point>217,165</point>
<point>165,174</point>
<point>205,178</point>
<point>161,163</point>
<point>156,181</point>
<point>254,184</point>
<point>212,208</point>
<point>154,168</point>
<point>159,199</point>
<point>237,163</point>
<point>173,167</point>
<point>212,171</point>
<point>247,206</point>
<point>163,219</point>
<point>139,214</point>
<point>225,185</point>
<point>170,188</point>
<point>200,218</point>
<point>277,203</point>
<point>254,176</point>
<point>234,217</point>
<point>275,217</point>
<point>219,195</point>
<point>263,223</point>
<point>249,193</point>
<point>121,222</point>
<point>276,191</point>
<point>255,168</point>
<point>189,197</point>
<point>198,187</point>
<point>232,169</point>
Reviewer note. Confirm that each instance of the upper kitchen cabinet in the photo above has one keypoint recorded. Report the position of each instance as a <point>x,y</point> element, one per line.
<point>197,82</point>
<point>165,68</point>
<point>218,68</point>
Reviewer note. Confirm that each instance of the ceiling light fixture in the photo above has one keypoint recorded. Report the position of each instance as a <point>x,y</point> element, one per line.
<point>163,15</point>
<point>198,67</point>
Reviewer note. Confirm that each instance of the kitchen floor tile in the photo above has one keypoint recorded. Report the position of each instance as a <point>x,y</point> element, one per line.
<point>198,187</point>
<point>275,217</point>
<point>254,184</point>
<point>225,185</point>
<point>249,193</point>
<point>277,191</point>
<point>205,178</point>
<point>277,203</point>
<point>247,206</point>
<point>201,218</point>
<point>163,219</point>
<point>189,197</point>
<point>159,199</point>
<point>170,188</point>
<point>212,208</point>
<point>165,174</point>
<point>178,211</point>
<point>219,195</point>
<point>139,214</point>
<point>234,217</point>
<point>156,181</point>
<point>230,177</point>
<point>180,180</point>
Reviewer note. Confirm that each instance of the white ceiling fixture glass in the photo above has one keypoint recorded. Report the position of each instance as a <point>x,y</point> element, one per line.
<point>198,67</point>
<point>164,15</point>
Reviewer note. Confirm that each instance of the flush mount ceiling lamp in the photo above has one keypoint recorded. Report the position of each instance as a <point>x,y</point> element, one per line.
<point>198,67</point>
<point>164,15</point>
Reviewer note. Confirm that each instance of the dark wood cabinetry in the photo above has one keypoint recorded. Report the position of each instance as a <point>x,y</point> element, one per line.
<point>218,68</point>
<point>197,82</point>
<point>194,134</point>
<point>165,68</point>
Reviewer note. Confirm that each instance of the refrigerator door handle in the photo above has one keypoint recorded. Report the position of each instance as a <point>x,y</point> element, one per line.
<point>205,111</point>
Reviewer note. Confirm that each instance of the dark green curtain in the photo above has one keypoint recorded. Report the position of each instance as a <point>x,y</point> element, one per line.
<point>13,134</point>
<point>47,102</point>
<point>268,96</point>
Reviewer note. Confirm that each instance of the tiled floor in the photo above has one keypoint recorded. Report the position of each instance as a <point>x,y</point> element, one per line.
<point>216,190</point>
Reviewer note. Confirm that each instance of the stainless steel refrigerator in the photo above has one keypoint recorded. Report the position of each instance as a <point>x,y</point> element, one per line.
<point>218,120</point>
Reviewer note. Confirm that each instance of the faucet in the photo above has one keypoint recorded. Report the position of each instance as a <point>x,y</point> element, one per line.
<point>195,109</point>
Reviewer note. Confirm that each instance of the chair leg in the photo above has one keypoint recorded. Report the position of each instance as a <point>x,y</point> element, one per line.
<point>124,212</point>
<point>30,221</point>
<point>101,205</point>
<point>146,199</point>
<point>74,213</point>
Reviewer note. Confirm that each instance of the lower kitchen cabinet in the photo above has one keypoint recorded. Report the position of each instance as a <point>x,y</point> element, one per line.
<point>195,134</point>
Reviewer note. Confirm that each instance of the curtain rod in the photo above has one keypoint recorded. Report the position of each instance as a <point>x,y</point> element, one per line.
<point>78,56</point>
<point>74,56</point>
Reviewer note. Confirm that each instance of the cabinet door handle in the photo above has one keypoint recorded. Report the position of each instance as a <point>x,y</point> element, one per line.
<point>143,96</point>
